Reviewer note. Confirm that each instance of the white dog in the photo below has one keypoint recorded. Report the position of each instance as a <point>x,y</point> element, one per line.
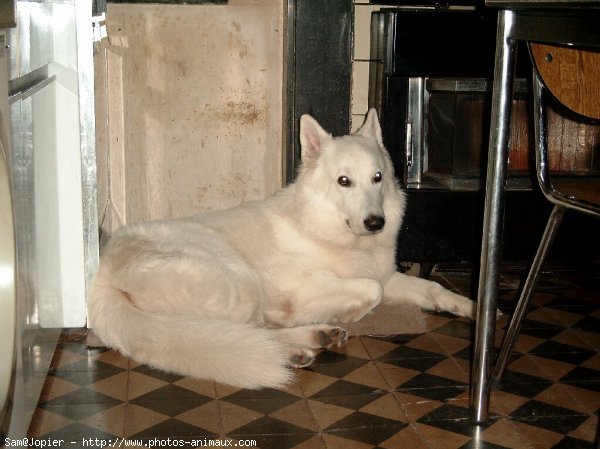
<point>241,295</point>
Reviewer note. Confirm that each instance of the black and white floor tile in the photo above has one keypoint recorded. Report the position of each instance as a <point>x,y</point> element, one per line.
<point>400,391</point>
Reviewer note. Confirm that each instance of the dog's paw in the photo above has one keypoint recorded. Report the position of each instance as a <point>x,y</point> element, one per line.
<point>335,336</point>
<point>301,358</point>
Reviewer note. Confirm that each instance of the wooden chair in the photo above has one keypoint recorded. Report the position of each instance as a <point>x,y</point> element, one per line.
<point>572,76</point>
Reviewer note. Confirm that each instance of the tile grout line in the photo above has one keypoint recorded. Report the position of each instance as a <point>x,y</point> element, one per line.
<point>126,406</point>
<point>391,391</point>
<point>218,405</point>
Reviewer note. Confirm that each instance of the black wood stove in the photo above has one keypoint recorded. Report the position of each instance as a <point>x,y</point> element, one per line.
<point>430,80</point>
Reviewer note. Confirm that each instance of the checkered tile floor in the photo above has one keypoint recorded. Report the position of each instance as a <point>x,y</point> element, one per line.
<point>405,391</point>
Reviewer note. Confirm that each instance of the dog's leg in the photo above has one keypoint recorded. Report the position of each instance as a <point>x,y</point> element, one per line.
<point>324,298</point>
<point>404,289</point>
<point>303,339</point>
<point>315,336</point>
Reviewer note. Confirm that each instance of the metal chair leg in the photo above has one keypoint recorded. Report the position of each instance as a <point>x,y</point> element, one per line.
<point>541,159</point>
<point>528,288</point>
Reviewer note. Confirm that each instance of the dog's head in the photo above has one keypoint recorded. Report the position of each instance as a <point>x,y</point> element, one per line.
<point>350,177</point>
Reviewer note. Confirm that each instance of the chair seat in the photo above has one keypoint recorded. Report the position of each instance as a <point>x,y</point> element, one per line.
<point>571,75</point>
<point>583,187</point>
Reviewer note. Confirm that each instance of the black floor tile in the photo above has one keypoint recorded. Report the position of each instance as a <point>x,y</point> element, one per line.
<point>174,429</point>
<point>433,387</point>
<point>82,396</point>
<point>583,378</point>
<point>368,435</point>
<point>575,305</point>
<point>257,401</point>
<point>85,378</point>
<point>171,400</point>
<point>458,329</point>
<point>521,384</point>
<point>465,354</point>
<point>335,364</point>
<point>562,352</point>
<point>344,387</point>
<point>588,323</point>
<point>399,339</point>
<point>551,417</point>
<point>366,428</point>
<point>268,425</point>
<point>78,411</point>
<point>455,419</point>
<point>540,329</point>
<point>412,358</point>
<point>574,443</point>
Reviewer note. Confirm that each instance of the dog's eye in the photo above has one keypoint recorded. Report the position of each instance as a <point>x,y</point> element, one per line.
<point>344,181</point>
<point>378,177</point>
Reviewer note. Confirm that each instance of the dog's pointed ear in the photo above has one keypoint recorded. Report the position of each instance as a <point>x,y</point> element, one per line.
<point>312,137</point>
<point>371,127</point>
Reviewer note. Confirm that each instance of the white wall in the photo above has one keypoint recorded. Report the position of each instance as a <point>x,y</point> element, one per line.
<point>193,98</point>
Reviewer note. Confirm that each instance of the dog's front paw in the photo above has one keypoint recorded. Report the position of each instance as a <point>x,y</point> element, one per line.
<point>336,336</point>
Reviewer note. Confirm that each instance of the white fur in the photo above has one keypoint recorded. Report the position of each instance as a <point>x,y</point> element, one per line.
<point>200,296</point>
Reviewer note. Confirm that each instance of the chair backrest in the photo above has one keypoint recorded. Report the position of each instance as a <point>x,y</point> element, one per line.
<point>573,78</point>
<point>571,75</point>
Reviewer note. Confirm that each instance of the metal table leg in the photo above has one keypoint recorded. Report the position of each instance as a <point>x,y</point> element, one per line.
<point>493,217</point>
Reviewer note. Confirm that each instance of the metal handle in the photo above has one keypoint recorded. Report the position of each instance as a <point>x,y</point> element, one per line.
<point>409,148</point>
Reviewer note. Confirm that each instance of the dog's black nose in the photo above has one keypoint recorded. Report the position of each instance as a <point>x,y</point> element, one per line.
<point>374,223</point>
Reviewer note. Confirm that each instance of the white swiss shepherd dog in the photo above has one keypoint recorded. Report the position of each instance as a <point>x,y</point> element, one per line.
<point>241,295</point>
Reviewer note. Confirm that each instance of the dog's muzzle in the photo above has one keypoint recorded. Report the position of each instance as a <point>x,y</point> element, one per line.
<point>374,223</point>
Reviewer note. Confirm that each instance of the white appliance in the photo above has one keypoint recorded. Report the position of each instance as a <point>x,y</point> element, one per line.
<point>48,177</point>
<point>8,257</point>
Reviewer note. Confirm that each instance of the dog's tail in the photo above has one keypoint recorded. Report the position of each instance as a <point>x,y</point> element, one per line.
<point>237,354</point>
